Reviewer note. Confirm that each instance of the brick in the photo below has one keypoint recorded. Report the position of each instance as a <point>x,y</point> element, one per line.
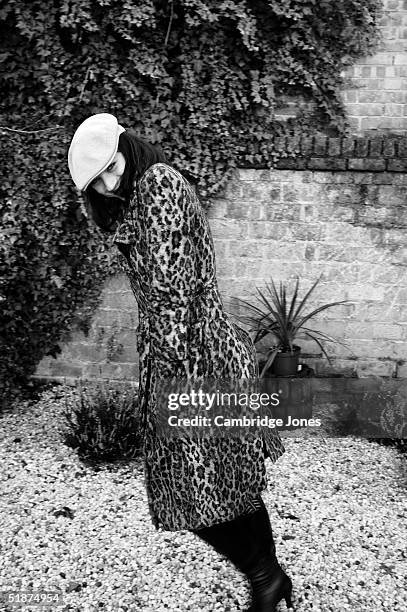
<point>107,316</point>
<point>221,248</point>
<point>382,349</point>
<point>393,5</point>
<point>248,248</point>
<point>393,198</point>
<point>288,163</point>
<point>233,190</point>
<point>343,253</point>
<point>383,178</point>
<point>259,191</point>
<point>348,146</point>
<point>371,123</point>
<point>361,147</point>
<point>218,209</point>
<point>367,164</point>
<point>374,367</point>
<point>388,276</point>
<point>117,283</point>
<point>394,110</point>
<point>338,232</point>
<point>62,368</point>
<point>399,179</point>
<point>293,145</point>
<point>81,352</point>
<point>362,178</point>
<point>381,331</point>
<point>322,367</point>
<point>365,293</point>
<point>379,58</point>
<point>323,177</point>
<point>281,176</point>
<point>387,331</point>
<point>401,371</point>
<point>389,147</point>
<point>401,71</point>
<point>305,231</point>
<point>249,174</point>
<point>280,143</point>
<point>283,211</point>
<point>320,163</point>
<point>111,371</point>
<point>118,300</point>
<point>382,96</point>
<point>229,228</point>
<point>292,192</point>
<point>238,209</point>
<point>343,178</point>
<point>381,71</point>
<point>350,96</point>
<point>244,268</point>
<point>367,110</point>
<point>284,252</point>
<point>354,124</point>
<point>128,355</point>
<point>320,145</point>
<point>264,229</point>
<point>334,147</point>
<point>380,312</point>
<point>397,165</point>
<point>393,124</point>
<point>402,147</point>
<point>375,147</point>
<point>400,59</point>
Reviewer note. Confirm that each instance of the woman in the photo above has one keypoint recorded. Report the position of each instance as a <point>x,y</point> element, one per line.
<point>210,486</point>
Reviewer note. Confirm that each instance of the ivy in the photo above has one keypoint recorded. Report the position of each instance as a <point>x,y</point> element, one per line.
<point>202,78</point>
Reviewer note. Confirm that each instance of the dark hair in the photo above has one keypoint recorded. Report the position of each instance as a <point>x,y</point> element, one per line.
<point>139,155</point>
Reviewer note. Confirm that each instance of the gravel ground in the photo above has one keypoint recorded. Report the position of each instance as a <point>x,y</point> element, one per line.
<point>337,506</point>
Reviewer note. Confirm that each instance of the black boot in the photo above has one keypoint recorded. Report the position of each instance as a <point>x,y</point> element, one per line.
<point>270,584</point>
<point>232,540</point>
<point>248,543</point>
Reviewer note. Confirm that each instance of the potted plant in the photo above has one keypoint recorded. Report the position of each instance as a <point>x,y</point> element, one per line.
<point>284,317</point>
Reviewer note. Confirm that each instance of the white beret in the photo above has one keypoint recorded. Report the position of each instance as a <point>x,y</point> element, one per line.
<point>93,147</point>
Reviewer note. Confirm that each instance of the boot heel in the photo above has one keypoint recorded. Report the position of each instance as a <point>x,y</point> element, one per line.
<point>287,597</point>
<point>288,593</point>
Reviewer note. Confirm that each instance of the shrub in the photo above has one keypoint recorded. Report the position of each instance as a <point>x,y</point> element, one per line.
<point>52,260</point>
<point>103,421</point>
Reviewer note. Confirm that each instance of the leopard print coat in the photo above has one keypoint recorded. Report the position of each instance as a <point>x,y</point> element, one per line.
<point>168,255</point>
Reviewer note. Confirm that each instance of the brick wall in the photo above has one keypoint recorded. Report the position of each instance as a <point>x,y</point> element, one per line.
<point>336,208</point>
<point>376,97</point>
<point>348,226</point>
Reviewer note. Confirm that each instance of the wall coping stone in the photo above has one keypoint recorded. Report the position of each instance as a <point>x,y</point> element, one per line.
<point>356,153</point>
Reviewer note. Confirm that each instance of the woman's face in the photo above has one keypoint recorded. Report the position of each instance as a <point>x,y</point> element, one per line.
<point>108,181</point>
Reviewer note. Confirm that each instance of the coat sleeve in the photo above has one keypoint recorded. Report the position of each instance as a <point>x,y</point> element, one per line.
<point>170,259</point>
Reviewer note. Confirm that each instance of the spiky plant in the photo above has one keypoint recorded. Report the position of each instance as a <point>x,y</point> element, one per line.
<point>284,317</point>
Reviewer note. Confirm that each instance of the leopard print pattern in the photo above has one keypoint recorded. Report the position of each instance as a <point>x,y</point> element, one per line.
<point>183,331</point>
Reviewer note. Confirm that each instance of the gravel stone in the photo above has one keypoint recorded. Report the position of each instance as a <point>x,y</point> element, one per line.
<point>337,507</point>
